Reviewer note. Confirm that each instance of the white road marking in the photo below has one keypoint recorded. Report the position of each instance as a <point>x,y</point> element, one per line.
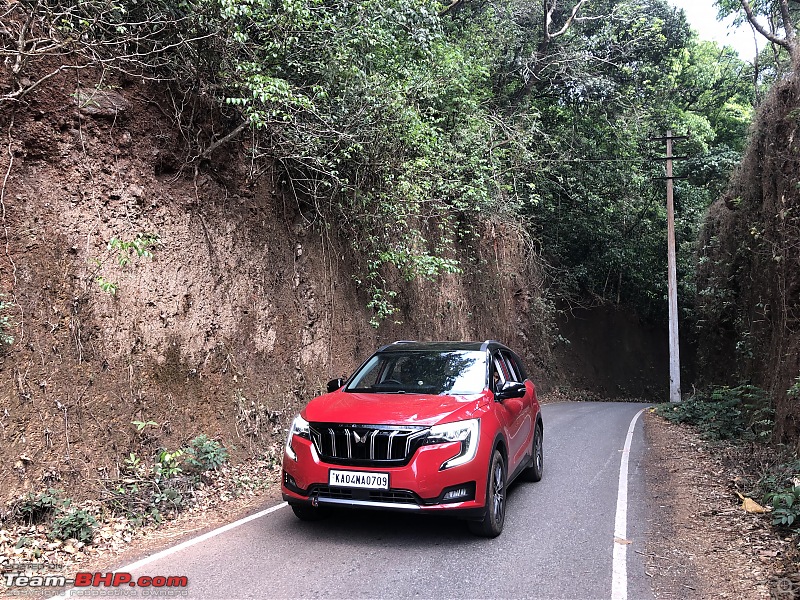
<point>619,570</point>
<point>183,545</point>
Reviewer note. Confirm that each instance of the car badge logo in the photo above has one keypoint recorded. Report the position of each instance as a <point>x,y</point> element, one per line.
<point>360,440</point>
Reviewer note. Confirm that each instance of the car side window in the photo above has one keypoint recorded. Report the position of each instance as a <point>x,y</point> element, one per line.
<point>499,376</point>
<point>513,370</point>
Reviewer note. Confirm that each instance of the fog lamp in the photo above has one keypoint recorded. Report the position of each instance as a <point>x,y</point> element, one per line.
<point>455,494</point>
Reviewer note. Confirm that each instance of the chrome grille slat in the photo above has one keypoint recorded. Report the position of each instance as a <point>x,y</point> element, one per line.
<point>391,439</point>
<point>372,444</point>
<point>381,445</point>
<point>333,440</point>
<point>412,438</point>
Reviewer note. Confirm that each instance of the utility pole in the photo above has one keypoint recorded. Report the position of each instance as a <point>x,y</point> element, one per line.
<point>672,279</point>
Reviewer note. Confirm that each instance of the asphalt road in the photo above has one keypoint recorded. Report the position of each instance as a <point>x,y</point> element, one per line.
<point>558,539</point>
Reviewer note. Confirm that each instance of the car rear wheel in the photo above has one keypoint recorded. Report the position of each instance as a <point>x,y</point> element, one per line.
<point>495,514</point>
<point>308,513</point>
<point>533,472</point>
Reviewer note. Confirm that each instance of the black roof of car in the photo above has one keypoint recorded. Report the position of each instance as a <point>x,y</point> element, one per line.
<point>406,345</point>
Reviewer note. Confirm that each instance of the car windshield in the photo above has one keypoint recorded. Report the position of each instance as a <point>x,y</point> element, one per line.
<point>457,372</point>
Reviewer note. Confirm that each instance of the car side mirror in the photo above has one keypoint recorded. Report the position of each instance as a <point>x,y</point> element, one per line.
<point>511,389</point>
<point>335,384</point>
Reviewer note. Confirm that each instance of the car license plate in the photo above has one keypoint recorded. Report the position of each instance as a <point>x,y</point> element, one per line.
<point>359,479</point>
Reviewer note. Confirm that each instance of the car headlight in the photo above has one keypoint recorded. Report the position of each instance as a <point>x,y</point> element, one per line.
<point>300,428</point>
<point>465,432</point>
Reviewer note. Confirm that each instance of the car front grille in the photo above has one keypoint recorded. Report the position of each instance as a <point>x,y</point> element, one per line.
<point>383,445</point>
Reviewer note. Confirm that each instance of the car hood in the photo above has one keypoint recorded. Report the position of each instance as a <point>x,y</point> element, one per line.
<point>391,409</point>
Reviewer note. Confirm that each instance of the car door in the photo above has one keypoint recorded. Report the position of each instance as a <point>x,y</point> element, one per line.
<point>515,413</point>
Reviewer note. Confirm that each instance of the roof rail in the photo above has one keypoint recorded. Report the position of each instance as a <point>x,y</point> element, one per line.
<point>486,343</point>
<point>385,346</point>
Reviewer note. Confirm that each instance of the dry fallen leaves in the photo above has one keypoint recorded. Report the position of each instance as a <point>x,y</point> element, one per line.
<point>30,545</point>
<point>751,506</point>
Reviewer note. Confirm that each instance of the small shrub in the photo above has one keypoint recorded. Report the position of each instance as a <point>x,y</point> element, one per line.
<point>125,250</point>
<point>169,498</point>
<point>167,464</point>
<point>204,454</point>
<point>744,412</point>
<point>780,487</point>
<point>109,287</point>
<point>140,246</point>
<point>150,515</point>
<point>34,508</point>
<point>133,466</point>
<point>75,524</point>
<point>785,506</point>
<point>140,425</point>
<point>146,493</point>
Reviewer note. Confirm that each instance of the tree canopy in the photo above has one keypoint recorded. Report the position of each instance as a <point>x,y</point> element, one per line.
<point>405,122</point>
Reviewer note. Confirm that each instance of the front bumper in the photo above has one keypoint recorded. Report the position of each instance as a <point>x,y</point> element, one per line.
<point>419,486</point>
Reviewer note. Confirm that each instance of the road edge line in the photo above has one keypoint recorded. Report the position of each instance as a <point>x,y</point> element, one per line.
<point>183,545</point>
<point>619,568</point>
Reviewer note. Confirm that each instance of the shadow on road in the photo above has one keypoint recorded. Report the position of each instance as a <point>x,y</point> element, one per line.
<point>372,526</point>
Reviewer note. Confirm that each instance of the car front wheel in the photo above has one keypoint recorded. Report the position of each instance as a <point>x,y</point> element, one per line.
<point>495,513</point>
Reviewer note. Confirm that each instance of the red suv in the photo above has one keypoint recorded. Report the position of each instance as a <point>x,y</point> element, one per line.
<point>433,427</point>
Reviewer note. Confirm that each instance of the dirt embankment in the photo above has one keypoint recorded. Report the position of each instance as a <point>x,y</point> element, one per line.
<point>749,264</point>
<point>237,309</point>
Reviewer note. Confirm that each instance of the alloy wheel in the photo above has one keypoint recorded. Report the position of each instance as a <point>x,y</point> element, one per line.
<point>498,493</point>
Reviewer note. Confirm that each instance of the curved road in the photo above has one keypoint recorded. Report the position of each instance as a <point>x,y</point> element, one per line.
<point>558,541</point>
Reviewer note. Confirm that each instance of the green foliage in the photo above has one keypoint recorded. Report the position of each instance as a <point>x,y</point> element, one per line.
<point>363,101</point>
<point>744,412</point>
<point>779,486</point>
<point>143,493</point>
<point>169,498</point>
<point>785,506</point>
<point>402,125</point>
<point>109,287</point>
<point>125,250</point>
<point>167,464</point>
<point>204,454</point>
<point>141,425</point>
<point>75,524</point>
<point>146,493</point>
<point>139,246</point>
<point>601,215</point>
<point>7,323</point>
<point>133,465</point>
<point>34,508</point>
<point>794,390</point>
<point>774,59</point>
<point>67,523</point>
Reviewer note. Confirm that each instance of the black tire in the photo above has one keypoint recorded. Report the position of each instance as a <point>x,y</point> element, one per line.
<point>304,512</point>
<point>533,472</point>
<point>495,514</point>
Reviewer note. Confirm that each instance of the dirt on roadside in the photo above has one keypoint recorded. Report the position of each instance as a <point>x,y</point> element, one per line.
<point>702,543</point>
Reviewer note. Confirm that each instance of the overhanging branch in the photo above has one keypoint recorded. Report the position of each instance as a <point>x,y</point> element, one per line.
<point>784,42</point>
